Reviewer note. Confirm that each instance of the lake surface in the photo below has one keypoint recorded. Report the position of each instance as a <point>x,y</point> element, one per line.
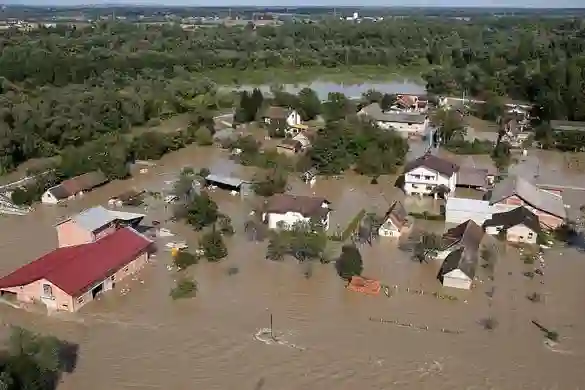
<point>323,88</point>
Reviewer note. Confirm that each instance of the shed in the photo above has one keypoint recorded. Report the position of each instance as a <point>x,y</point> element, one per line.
<point>459,210</point>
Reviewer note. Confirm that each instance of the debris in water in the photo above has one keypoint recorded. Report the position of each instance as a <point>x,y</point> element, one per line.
<point>266,336</point>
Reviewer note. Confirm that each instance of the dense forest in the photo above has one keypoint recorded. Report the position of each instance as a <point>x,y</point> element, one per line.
<point>66,86</point>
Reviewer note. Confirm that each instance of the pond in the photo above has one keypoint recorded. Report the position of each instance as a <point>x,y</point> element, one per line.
<point>352,90</point>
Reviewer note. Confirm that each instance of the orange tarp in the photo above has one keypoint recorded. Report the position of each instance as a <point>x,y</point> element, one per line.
<point>364,285</point>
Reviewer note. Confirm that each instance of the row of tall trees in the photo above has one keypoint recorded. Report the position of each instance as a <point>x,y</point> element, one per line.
<point>65,87</point>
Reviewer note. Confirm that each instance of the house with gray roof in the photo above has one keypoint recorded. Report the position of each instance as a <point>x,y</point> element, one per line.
<point>515,191</point>
<point>93,224</point>
<point>404,122</point>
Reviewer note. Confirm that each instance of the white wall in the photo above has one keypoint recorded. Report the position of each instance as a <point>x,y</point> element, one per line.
<point>423,180</point>
<point>457,279</point>
<point>293,119</point>
<point>521,233</point>
<point>49,198</point>
<point>413,128</point>
<point>290,218</point>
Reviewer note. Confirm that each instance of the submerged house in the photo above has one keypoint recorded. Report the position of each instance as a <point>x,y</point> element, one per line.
<point>459,268</point>
<point>395,221</point>
<point>282,117</point>
<point>518,225</point>
<point>70,277</point>
<point>92,224</point>
<point>468,234</point>
<point>73,187</point>
<point>515,191</point>
<point>403,122</point>
<point>461,255</point>
<point>424,175</point>
<point>284,210</point>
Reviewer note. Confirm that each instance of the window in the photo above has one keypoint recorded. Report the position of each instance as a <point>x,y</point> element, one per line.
<point>80,300</point>
<point>530,235</point>
<point>113,277</point>
<point>429,177</point>
<point>47,290</point>
<point>126,269</point>
<point>416,177</point>
<point>414,186</point>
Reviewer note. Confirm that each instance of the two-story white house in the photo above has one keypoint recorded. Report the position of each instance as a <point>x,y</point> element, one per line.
<point>284,210</point>
<point>424,175</point>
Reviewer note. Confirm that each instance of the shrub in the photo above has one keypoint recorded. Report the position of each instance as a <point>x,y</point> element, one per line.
<point>427,216</point>
<point>185,288</point>
<point>213,246</point>
<point>349,263</point>
<point>183,260</point>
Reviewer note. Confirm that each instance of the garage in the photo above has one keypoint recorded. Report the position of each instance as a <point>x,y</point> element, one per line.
<point>459,210</point>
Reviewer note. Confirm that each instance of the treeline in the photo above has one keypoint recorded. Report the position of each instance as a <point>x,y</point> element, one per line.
<point>67,86</point>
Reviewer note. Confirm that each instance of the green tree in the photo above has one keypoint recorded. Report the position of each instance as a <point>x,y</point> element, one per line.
<point>309,104</point>
<point>225,225</point>
<point>201,211</point>
<point>387,101</point>
<point>274,182</point>
<point>213,247</point>
<point>203,136</point>
<point>184,260</point>
<point>185,288</point>
<point>349,262</point>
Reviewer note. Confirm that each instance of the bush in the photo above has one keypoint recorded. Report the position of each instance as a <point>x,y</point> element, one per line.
<point>183,260</point>
<point>349,263</point>
<point>203,136</point>
<point>427,216</point>
<point>213,246</point>
<point>185,288</point>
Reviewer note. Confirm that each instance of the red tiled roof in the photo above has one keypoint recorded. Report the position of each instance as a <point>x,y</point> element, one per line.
<point>74,269</point>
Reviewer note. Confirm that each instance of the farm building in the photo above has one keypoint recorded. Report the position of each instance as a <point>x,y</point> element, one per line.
<point>73,187</point>
<point>459,210</point>
<point>69,277</point>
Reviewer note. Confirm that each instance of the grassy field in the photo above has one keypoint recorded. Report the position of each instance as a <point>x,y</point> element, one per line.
<point>353,74</point>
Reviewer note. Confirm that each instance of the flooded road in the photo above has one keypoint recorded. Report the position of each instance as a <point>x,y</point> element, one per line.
<point>144,340</point>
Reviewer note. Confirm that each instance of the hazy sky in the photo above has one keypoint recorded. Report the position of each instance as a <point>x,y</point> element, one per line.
<point>327,3</point>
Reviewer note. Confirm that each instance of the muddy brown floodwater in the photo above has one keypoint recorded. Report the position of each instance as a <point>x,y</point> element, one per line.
<point>144,340</point>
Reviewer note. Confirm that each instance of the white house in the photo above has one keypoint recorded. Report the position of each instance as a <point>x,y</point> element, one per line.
<point>459,268</point>
<point>282,114</point>
<point>394,221</point>
<point>284,210</point>
<point>423,175</point>
<point>403,122</point>
<point>519,225</point>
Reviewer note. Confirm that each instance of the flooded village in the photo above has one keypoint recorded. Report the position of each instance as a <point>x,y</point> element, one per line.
<point>463,314</point>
